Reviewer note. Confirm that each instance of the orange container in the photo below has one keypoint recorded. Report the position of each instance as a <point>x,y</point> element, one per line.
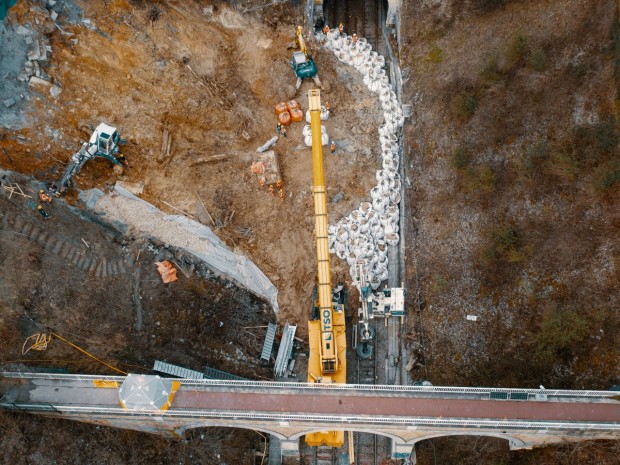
<point>291,104</point>
<point>280,108</point>
<point>297,115</point>
<point>284,118</point>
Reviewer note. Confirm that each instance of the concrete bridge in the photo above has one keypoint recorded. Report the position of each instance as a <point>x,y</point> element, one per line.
<point>287,411</point>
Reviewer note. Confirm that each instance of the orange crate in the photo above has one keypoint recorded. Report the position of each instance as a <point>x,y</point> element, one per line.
<point>281,108</point>
<point>297,115</point>
<point>291,104</point>
<point>284,118</point>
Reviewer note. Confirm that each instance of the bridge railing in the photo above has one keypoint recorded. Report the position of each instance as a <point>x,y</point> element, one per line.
<point>493,393</point>
<point>285,419</point>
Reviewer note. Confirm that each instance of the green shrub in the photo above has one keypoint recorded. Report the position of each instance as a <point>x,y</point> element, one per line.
<point>483,6</point>
<point>606,134</point>
<point>596,143</point>
<point>563,166</point>
<point>517,49</point>
<point>577,71</point>
<point>460,158</point>
<point>439,284</point>
<point>537,59</point>
<point>561,332</point>
<point>486,179</point>
<point>607,176</point>
<point>435,55</point>
<point>529,165</point>
<point>490,70</point>
<point>463,105</point>
<point>478,180</point>
<point>504,245</point>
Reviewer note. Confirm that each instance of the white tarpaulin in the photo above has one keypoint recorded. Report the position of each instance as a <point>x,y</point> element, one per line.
<point>179,231</point>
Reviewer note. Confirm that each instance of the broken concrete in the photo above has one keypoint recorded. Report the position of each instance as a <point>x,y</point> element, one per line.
<point>38,82</point>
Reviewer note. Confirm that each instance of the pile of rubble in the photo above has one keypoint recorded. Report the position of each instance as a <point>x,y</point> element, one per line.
<point>29,45</point>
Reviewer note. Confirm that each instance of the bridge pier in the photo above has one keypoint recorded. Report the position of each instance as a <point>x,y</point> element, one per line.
<point>403,450</point>
<point>290,451</point>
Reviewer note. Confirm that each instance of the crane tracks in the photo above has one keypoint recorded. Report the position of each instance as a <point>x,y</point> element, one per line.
<point>76,256</point>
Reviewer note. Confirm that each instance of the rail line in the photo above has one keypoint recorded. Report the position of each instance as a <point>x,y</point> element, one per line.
<point>324,455</point>
<point>366,443</point>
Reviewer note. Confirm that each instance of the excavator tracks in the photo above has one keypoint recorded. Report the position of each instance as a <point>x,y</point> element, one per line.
<point>78,256</point>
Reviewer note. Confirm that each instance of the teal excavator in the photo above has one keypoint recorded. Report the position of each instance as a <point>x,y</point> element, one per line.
<point>302,63</point>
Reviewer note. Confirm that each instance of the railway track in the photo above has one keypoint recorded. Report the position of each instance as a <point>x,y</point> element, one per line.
<point>367,445</point>
<point>363,17</point>
<point>324,455</point>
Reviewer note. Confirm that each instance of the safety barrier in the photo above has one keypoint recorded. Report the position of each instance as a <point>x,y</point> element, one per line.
<point>408,422</point>
<point>357,388</point>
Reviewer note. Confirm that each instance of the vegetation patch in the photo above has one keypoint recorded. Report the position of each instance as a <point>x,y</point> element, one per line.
<point>504,246</point>
<point>435,55</point>
<point>564,332</point>
<point>463,106</point>
<point>490,70</point>
<point>607,177</point>
<point>562,165</point>
<point>596,143</point>
<point>529,166</point>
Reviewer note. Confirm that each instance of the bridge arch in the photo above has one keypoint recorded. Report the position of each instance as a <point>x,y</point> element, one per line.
<point>210,423</point>
<point>378,433</point>
<point>514,443</point>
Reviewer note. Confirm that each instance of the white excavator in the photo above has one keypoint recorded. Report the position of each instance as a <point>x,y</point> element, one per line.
<point>104,142</point>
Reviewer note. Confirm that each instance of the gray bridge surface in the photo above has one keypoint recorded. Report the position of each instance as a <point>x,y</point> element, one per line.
<point>406,414</point>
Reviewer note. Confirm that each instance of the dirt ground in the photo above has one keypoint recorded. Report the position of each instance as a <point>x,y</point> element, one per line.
<point>513,182</point>
<point>514,192</point>
<point>210,78</point>
<point>122,313</point>
<point>212,82</point>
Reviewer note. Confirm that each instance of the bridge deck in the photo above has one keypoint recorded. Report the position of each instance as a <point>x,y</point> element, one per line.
<point>276,400</point>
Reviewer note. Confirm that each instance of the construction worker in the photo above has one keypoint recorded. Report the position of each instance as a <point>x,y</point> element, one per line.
<point>279,128</point>
<point>283,129</point>
<point>43,197</point>
<point>332,148</point>
<point>122,160</point>
<point>354,38</point>
<point>328,108</point>
<point>43,213</point>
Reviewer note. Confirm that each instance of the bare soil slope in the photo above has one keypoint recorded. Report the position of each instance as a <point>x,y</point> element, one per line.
<point>211,81</point>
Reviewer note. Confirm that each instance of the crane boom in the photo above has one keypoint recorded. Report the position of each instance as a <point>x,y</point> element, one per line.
<point>329,352</point>
<point>326,331</point>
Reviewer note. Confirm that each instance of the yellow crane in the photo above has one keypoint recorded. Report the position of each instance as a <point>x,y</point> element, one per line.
<point>326,330</point>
